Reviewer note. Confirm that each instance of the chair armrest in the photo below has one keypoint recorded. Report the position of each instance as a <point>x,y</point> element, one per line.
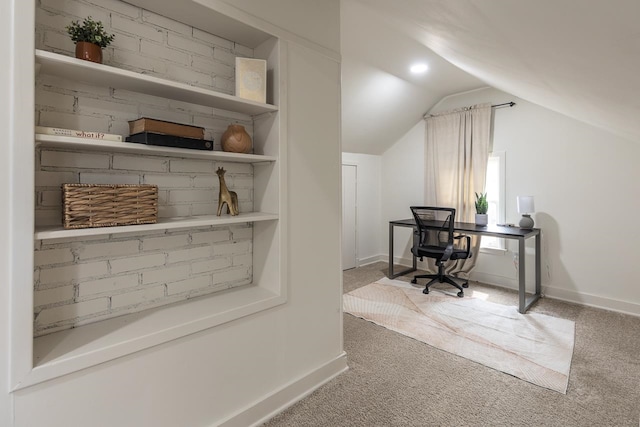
<point>468,241</point>
<point>416,243</point>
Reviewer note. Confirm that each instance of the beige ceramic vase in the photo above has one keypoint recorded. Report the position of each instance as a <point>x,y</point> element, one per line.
<point>236,140</point>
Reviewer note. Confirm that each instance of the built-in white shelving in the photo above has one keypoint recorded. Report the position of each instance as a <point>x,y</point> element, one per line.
<point>57,232</point>
<point>86,144</point>
<point>104,75</point>
<point>68,67</point>
<point>35,360</point>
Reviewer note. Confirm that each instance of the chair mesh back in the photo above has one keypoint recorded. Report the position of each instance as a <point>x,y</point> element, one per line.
<point>435,224</point>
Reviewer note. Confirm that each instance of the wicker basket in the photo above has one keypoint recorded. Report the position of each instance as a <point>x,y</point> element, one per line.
<point>106,205</point>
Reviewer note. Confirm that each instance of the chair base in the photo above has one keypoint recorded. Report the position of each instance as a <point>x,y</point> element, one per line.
<point>440,278</point>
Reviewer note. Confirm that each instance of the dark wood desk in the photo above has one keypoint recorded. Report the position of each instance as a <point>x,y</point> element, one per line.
<point>519,234</point>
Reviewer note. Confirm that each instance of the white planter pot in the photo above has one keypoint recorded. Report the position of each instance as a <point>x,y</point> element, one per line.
<point>482,219</point>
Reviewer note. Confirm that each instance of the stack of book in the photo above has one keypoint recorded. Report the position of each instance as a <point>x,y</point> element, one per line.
<point>167,134</point>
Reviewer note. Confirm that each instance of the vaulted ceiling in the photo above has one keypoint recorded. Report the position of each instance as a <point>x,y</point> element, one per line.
<point>580,58</point>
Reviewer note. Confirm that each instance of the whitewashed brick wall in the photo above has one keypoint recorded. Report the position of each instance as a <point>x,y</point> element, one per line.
<point>146,43</point>
<point>186,187</point>
<point>80,281</point>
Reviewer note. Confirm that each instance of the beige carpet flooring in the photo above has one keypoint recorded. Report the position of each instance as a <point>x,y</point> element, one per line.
<point>533,346</point>
<point>394,380</point>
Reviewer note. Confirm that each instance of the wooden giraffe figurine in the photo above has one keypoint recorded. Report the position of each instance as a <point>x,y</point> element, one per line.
<point>226,196</point>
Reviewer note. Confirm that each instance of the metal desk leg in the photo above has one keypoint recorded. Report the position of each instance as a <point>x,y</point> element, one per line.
<point>538,265</point>
<point>525,302</point>
<point>521,277</point>
<point>393,275</point>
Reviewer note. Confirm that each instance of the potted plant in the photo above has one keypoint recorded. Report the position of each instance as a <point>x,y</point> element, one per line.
<point>482,206</point>
<point>90,38</point>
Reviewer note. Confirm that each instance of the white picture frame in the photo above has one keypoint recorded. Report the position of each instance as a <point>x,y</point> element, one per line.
<point>251,79</point>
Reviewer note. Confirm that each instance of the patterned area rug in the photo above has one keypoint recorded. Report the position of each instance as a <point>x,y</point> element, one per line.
<point>534,347</point>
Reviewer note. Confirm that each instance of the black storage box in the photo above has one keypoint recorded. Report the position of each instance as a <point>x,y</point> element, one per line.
<point>151,138</point>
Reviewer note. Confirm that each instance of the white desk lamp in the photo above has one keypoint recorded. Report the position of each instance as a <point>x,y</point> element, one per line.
<point>525,207</point>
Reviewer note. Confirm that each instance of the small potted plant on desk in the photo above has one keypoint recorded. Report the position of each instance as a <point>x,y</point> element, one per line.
<point>482,206</point>
<point>90,38</point>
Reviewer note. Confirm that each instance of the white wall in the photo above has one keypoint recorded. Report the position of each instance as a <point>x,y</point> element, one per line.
<point>368,170</point>
<point>312,20</point>
<point>240,371</point>
<point>402,186</point>
<point>8,102</point>
<point>581,177</point>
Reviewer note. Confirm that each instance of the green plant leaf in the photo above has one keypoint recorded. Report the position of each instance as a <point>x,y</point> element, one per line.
<point>482,205</point>
<point>89,31</point>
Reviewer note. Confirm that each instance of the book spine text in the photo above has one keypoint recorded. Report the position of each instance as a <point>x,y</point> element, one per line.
<point>78,133</point>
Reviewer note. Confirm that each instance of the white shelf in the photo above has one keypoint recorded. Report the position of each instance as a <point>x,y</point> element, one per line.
<point>35,360</point>
<point>56,232</point>
<point>68,351</point>
<point>102,75</point>
<point>55,141</point>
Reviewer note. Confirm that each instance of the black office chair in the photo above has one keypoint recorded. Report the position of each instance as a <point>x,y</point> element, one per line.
<point>435,238</point>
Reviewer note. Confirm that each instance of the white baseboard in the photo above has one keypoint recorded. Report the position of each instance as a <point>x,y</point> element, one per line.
<point>580,298</point>
<point>407,262</point>
<point>282,398</point>
<point>370,260</point>
<point>589,300</point>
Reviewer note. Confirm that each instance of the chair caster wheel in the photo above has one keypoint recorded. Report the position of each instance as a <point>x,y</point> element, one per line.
<point>465,285</point>
<point>460,294</point>
<point>414,281</point>
<point>425,291</point>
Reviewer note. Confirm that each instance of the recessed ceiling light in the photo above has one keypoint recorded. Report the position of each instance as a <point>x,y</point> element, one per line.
<point>419,68</point>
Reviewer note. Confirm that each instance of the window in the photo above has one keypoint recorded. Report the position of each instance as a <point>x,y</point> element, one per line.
<point>495,188</point>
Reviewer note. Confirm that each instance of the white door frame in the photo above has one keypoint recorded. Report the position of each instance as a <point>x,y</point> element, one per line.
<point>355,165</point>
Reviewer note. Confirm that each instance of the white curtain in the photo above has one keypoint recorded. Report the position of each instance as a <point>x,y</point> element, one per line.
<point>457,151</point>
